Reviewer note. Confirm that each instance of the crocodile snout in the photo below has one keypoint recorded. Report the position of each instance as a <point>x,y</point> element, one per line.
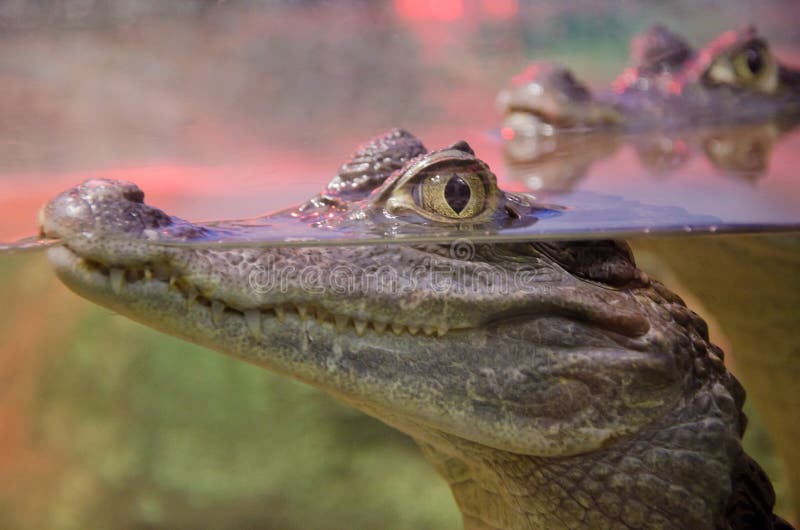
<point>100,207</point>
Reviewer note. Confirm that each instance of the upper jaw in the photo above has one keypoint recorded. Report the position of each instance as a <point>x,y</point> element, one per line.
<point>118,283</point>
<point>404,289</point>
<point>424,384</point>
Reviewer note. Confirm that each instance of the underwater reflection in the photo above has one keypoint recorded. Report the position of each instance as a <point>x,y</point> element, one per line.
<point>559,161</point>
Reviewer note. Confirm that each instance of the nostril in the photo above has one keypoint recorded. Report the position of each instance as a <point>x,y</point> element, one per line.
<point>134,195</point>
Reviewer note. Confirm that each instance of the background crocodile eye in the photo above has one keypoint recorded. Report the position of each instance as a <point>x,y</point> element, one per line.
<point>750,66</point>
<point>754,62</point>
<point>750,62</point>
<point>452,195</point>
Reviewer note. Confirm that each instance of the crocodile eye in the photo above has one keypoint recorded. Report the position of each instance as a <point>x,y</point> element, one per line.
<point>750,66</point>
<point>450,186</point>
<point>750,63</point>
<point>453,195</point>
<point>457,193</point>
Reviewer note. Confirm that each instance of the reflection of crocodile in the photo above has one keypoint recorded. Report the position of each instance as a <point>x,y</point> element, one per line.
<point>559,161</point>
<point>553,385</point>
<point>734,79</point>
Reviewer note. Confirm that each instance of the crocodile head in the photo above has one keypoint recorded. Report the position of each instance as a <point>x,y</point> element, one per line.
<point>506,362</point>
<point>733,79</point>
<point>546,96</point>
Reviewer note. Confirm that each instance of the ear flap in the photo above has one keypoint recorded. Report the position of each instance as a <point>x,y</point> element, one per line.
<point>609,262</point>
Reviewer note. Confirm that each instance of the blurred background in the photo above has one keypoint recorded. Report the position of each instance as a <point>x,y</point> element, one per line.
<point>230,109</point>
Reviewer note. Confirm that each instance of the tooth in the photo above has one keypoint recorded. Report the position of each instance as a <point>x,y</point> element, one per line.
<point>379,327</point>
<point>217,309</point>
<point>397,329</point>
<point>253,318</point>
<point>280,312</point>
<point>302,312</point>
<point>322,315</point>
<point>429,330</point>
<point>413,329</point>
<point>441,331</point>
<point>117,277</point>
<point>361,326</point>
<point>341,322</point>
<point>148,274</point>
<point>191,296</point>
<point>173,281</point>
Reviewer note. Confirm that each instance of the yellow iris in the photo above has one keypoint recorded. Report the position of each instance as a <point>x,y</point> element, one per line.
<point>750,63</point>
<point>750,66</point>
<point>452,195</point>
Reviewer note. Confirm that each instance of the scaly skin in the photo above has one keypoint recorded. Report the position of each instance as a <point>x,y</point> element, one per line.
<point>755,300</point>
<point>735,79</point>
<point>553,385</point>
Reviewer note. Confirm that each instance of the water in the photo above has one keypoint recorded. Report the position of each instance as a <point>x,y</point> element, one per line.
<point>698,181</point>
<point>230,128</point>
<point>222,111</point>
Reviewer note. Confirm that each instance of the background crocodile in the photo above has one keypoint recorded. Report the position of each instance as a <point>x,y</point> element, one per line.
<point>734,79</point>
<point>553,385</point>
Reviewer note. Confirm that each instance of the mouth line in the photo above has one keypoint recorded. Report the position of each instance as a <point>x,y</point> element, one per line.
<point>118,277</point>
<point>541,115</point>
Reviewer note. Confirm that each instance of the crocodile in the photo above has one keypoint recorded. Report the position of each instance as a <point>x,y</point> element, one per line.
<point>552,384</point>
<point>734,79</point>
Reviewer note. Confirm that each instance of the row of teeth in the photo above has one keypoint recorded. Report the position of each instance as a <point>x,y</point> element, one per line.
<point>253,317</point>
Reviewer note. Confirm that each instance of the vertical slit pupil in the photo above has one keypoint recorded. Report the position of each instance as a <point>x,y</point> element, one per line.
<point>457,193</point>
<point>754,62</point>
